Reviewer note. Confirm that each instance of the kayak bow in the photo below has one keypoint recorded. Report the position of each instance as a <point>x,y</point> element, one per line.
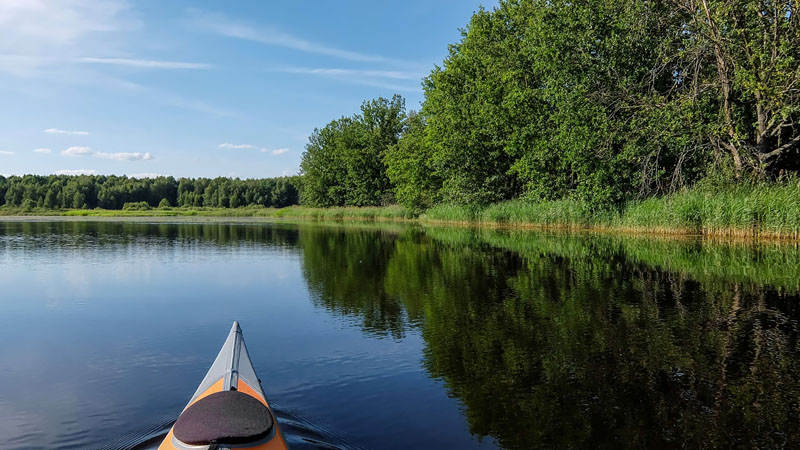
<point>229,408</point>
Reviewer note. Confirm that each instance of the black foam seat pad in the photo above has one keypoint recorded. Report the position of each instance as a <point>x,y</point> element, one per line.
<point>227,417</point>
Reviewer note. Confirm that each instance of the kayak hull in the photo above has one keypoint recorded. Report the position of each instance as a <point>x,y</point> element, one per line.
<point>231,370</point>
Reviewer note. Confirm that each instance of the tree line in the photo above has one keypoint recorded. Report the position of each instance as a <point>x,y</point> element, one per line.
<point>113,192</point>
<point>605,101</point>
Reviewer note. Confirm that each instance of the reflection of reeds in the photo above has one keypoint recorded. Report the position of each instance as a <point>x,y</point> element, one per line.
<point>759,264</point>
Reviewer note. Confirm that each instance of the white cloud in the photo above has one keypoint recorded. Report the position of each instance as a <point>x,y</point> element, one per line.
<point>144,63</point>
<point>230,146</point>
<point>78,151</point>
<point>122,156</point>
<point>145,175</point>
<point>279,151</point>
<point>221,25</point>
<point>59,131</point>
<point>42,150</point>
<point>76,172</point>
<point>6,153</point>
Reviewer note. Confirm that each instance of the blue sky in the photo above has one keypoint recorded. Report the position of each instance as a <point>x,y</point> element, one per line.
<point>201,88</point>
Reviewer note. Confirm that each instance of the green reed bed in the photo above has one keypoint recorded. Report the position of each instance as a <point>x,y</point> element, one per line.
<point>746,210</point>
<point>740,211</point>
<point>448,212</point>
<point>559,213</point>
<point>347,213</point>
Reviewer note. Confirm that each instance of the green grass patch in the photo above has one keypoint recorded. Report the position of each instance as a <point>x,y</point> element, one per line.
<point>349,212</point>
<point>452,213</point>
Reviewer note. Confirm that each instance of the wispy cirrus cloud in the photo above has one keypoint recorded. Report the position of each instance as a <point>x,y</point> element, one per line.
<point>41,34</point>
<point>224,26</point>
<point>75,172</point>
<point>384,79</point>
<point>333,72</point>
<point>78,151</point>
<point>145,63</point>
<point>42,150</point>
<point>38,33</point>
<point>229,146</point>
<point>60,131</point>
<point>6,153</point>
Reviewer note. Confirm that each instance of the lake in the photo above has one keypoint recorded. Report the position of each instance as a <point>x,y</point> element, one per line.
<point>392,337</point>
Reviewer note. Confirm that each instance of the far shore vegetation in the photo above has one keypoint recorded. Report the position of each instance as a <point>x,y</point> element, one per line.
<point>680,116</point>
<point>771,210</point>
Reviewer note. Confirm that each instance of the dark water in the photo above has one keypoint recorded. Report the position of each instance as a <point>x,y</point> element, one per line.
<point>392,337</point>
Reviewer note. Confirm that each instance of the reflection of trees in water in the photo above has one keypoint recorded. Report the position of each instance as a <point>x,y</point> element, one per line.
<point>567,342</point>
<point>346,272</point>
<point>87,234</point>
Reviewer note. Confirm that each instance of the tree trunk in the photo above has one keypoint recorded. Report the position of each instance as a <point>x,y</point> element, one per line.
<point>723,71</point>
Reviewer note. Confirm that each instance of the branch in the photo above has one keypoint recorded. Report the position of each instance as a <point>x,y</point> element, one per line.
<point>781,149</point>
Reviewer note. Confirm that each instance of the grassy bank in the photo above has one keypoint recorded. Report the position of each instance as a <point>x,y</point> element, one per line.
<point>389,213</point>
<point>756,210</point>
<point>744,211</point>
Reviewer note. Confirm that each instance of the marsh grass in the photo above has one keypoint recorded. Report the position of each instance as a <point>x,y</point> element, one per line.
<point>347,213</point>
<point>451,213</point>
<point>769,210</point>
<point>292,212</point>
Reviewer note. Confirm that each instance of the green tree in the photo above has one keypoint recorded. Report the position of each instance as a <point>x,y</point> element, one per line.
<point>410,169</point>
<point>344,161</point>
<point>753,50</point>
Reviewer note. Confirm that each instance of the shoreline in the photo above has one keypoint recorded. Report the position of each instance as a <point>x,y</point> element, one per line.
<point>326,216</point>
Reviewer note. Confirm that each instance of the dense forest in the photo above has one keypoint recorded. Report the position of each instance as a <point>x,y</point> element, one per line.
<point>114,192</point>
<point>603,101</point>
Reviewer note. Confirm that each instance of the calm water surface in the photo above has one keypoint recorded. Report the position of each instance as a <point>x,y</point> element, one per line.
<point>397,337</point>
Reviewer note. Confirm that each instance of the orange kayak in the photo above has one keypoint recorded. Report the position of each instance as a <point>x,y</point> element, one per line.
<point>229,408</point>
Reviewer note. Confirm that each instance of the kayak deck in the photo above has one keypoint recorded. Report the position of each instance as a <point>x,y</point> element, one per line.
<point>232,370</point>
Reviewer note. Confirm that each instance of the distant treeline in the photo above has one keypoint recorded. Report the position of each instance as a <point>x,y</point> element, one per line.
<point>603,101</point>
<point>113,192</point>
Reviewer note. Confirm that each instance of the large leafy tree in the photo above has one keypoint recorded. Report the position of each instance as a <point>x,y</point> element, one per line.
<point>753,47</point>
<point>552,98</point>
<point>468,115</point>
<point>344,162</point>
